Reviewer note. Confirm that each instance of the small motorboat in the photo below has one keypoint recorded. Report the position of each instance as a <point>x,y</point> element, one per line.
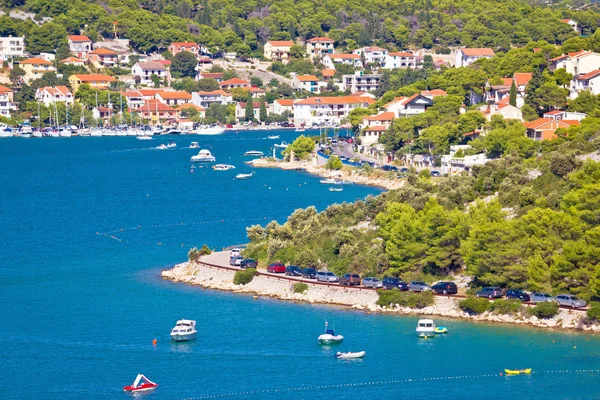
<point>329,336</point>
<point>336,189</point>
<point>141,384</point>
<point>330,181</point>
<point>282,145</point>
<point>300,129</point>
<point>526,371</point>
<point>194,145</point>
<point>426,328</point>
<point>273,137</point>
<point>254,153</point>
<point>244,176</point>
<point>162,147</point>
<point>223,167</point>
<point>209,130</point>
<point>441,330</point>
<point>171,145</point>
<point>203,155</point>
<point>184,330</point>
<point>349,355</point>
<point>144,137</point>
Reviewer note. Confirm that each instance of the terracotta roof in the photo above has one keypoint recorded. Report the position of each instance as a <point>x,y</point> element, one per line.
<point>580,53</point>
<point>175,95</point>
<point>4,89</point>
<point>589,75</point>
<point>384,116</point>
<point>507,81</point>
<point>434,92</point>
<point>212,75</point>
<point>554,112</point>
<point>189,105</point>
<point>401,54</point>
<point>320,40</point>
<point>101,51</point>
<point>165,62</point>
<point>285,102</point>
<point>565,20</point>
<point>57,90</point>
<point>333,100</point>
<point>154,105</point>
<point>184,44</point>
<point>559,57</point>
<point>478,52</point>
<point>367,99</point>
<point>94,78</point>
<point>132,93</point>
<point>402,100</point>
<point>328,72</point>
<point>235,81</point>
<point>254,89</point>
<point>307,78</point>
<point>541,122</point>
<point>214,93</point>
<point>149,92</point>
<point>374,48</point>
<point>35,61</point>
<point>522,78</point>
<point>281,43</point>
<point>151,65</point>
<point>255,104</point>
<point>375,128</point>
<point>344,56</point>
<point>78,38</point>
<point>71,60</point>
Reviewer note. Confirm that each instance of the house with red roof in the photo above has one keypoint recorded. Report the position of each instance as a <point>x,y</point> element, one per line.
<point>310,83</point>
<point>431,94</point>
<point>589,81</point>
<point>400,59</point>
<point>374,125</point>
<point>73,61</point>
<point>178,47</point>
<point>157,112</point>
<point>545,128</point>
<point>79,45</point>
<point>318,110</point>
<point>282,105</point>
<point>372,54</point>
<point>217,76</point>
<point>103,58</point>
<point>145,70</point>
<point>577,63</point>
<point>278,50</point>
<point>408,106</point>
<point>174,98</point>
<point>96,81</point>
<point>200,110</point>
<point>330,60</point>
<point>205,99</point>
<point>35,68</point>
<point>234,83</point>
<point>572,24</point>
<point>134,98</point>
<point>328,73</point>
<point>521,80</point>
<point>319,46</point>
<point>466,57</point>
<point>560,115</point>
<point>52,95</point>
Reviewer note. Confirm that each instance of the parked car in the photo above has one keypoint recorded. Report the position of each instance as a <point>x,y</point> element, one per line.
<point>418,286</point>
<point>372,283</point>
<point>445,288</point>
<point>435,173</point>
<point>394,283</point>
<point>517,294</point>
<point>389,168</point>
<point>249,263</point>
<point>292,270</point>
<point>235,252</point>
<point>277,268</point>
<point>236,261</point>
<point>490,292</point>
<point>570,301</point>
<point>309,273</point>
<point>350,279</point>
<point>541,297</point>
<point>327,276</point>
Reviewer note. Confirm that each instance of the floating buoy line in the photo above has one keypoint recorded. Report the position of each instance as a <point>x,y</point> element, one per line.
<point>116,234</point>
<point>386,382</point>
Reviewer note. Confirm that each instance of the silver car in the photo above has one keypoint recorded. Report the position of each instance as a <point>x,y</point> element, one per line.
<point>327,276</point>
<point>541,297</point>
<point>372,283</point>
<point>570,301</point>
<point>418,286</point>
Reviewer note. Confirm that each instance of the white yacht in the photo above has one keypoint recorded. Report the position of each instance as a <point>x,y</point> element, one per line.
<point>244,176</point>
<point>223,167</point>
<point>144,138</point>
<point>171,145</point>
<point>282,145</point>
<point>330,181</point>
<point>425,328</point>
<point>203,156</point>
<point>209,130</point>
<point>273,137</point>
<point>184,330</point>
<point>96,132</point>
<point>254,153</point>
<point>162,147</point>
<point>329,336</point>
<point>194,145</point>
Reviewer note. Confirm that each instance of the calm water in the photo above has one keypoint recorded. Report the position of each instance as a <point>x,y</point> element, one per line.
<point>79,310</point>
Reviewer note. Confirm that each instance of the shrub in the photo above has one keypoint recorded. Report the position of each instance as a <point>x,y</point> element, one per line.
<point>300,287</point>
<point>244,277</point>
<point>502,306</point>
<point>546,309</point>
<point>334,163</point>
<point>473,305</point>
<point>194,253</point>
<point>593,313</point>
<point>404,299</point>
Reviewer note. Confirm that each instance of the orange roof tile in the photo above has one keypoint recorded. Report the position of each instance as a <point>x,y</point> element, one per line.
<point>344,56</point>
<point>320,40</point>
<point>434,92</point>
<point>4,89</point>
<point>285,102</point>
<point>589,75</point>
<point>235,81</point>
<point>281,43</point>
<point>94,78</point>
<point>214,93</point>
<point>189,105</point>
<point>212,75</point>
<point>375,128</point>
<point>384,116</point>
<point>328,72</point>
<point>184,44</point>
<point>478,52</point>
<point>101,51</point>
<point>78,38</point>
<point>175,95</point>
<point>71,60</point>
<point>36,61</point>
<point>307,78</point>
<point>154,105</point>
<point>522,78</point>
<point>401,54</point>
<point>333,100</point>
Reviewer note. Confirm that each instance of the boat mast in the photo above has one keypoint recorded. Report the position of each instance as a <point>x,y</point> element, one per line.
<point>39,118</point>
<point>121,109</point>
<point>109,109</point>
<point>97,109</point>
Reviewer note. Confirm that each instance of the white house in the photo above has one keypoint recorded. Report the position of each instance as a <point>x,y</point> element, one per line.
<point>408,106</point>
<point>282,105</point>
<point>401,59</point>
<point>11,47</point>
<point>310,83</point>
<point>572,23</point>
<point>374,125</point>
<point>79,45</point>
<point>6,101</point>
<point>373,54</point>
<point>505,110</point>
<point>361,82</point>
<point>278,50</point>
<point>235,83</point>
<point>58,94</point>
<point>329,60</point>
<point>453,165</point>
<point>319,46</point>
<point>578,63</point>
<point>466,57</point>
<point>561,115</point>
<point>521,80</point>
<point>589,81</point>
<point>135,99</point>
<point>174,98</point>
<point>205,99</point>
<point>145,70</point>
<point>320,110</point>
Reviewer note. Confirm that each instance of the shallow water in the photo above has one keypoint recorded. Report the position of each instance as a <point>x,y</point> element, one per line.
<point>80,309</point>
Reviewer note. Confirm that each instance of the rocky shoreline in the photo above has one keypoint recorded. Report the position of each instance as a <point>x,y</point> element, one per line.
<point>363,300</point>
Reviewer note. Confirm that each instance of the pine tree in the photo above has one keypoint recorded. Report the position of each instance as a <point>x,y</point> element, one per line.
<point>249,108</point>
<point>539,276</point>
<point>512,99</point>
<point>263,111</point>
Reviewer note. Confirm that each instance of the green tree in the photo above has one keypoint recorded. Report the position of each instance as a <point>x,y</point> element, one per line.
<point>538,275</point>
<point>263,111</point>
<point>184,65</point>
<point>302,146</point>
<point>249,108</point>
<point>512,98</point>
<point>334,163</point>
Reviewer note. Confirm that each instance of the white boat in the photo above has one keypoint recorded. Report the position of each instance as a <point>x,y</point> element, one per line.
<point>425,328</point>
<point>350,355</point>
<point>194,145</point>
<point>144,138</point>
<point>329,336</point>
<point>120,133</point>
<point>108,132</point>
<point>96,132</point>
<point>37,134</point>
<point>273,137</point>
<point>64,133</point>
<point>223,167</point>
<point>141,384</point>
<point>171,145</point>
<point>329,181</point>
<point>254,153</point>
<point>336,189</point>
<point>184,330</point>
<point>300,129</point>
<point>282,145</point>
<point>203,156</point>
<point>209,130</point>
<point>84,132</point>
<point>162,147</point>
<point>53,134</point>
<point>244,176</point>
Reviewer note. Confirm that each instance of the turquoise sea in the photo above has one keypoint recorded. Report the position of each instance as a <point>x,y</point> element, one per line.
<point>87,225</point>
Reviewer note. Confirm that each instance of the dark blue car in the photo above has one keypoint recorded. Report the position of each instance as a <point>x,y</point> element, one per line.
<point>309,273</point>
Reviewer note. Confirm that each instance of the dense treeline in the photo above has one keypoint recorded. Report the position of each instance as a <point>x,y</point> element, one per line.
<point>528,222</point>
<point>244,25</point>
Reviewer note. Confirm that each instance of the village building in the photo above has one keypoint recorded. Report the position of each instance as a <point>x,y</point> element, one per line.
<point>408,106</point>
<point>283,105</point>
<point>52,95</point>
<point>6,101</point>
<point>96,81</point>
<point>35,68</point>
<point>319,47</point>
<point>322,110</point>
<point>373,54</point>
<point>11,47</point>
<point>374,125</point>
<point>278,50</point>
<point>174,98</point>
<point>73,61</point>
<point>178,47</point>
<point>205,99</point>
<point>361,82</point>
<point>330,60</point>
<point>234,83</point>
<point>310,83</point>
<point>145,71</point>
<point>103,58</point>
<point>402,59</point>
<point>466,57</point>
<point>79,45</point>
<point>545,128</point>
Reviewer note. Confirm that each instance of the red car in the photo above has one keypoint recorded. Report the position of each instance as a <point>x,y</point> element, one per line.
<point>277,268</point>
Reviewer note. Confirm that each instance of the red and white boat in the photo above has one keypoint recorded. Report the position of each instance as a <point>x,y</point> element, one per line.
<point>141,384</point>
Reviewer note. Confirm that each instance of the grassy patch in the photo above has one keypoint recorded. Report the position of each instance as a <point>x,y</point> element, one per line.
<point>404,299</point>
<point>300,287</point>
<point>473,305</point>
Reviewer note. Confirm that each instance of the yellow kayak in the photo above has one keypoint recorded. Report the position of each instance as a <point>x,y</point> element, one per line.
<point>518,371</point>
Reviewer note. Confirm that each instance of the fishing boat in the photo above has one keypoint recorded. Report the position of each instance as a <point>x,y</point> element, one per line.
<point>282,145</point>
<point>439,330</point>
<point>244,176</point>
<point>141,384</point>
<point>194,145</point>
<point>350,355</point>
<point>254,153</point>
<point>273,137</point>
<point>162,147</point>
<point>223,167</point>
<point>336,189</point>
<point>171,145</point>
<point>329,336</point>
<point>203,156</point>
<point>184,330</point>
<point>526,371</point>
<point>425,328</point>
